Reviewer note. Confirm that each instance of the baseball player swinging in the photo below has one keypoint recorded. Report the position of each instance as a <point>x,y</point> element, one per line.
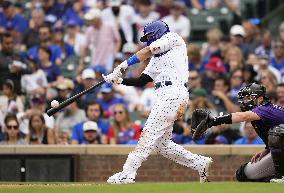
<point>168,69</point>
<point>267,120</point>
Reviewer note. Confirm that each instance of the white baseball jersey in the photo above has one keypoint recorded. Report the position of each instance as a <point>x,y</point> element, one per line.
<point>173,64</point>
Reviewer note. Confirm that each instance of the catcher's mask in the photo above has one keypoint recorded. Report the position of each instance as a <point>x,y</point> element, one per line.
<point>247,96</point>
<point>154,31</point>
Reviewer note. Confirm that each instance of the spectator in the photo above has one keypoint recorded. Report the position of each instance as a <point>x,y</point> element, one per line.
<point>238,34</point>
<point>177,21</point>
<point>278,60</point>
<point>91,133</point>
<point>76,12</point>
<point>64,89</point>
<point>45,42</point>
<point>280,94</point>
<point>12,132</point>
<point>63,137</point>
<point>250,136</point>
<point>58,39</point>
<point>94,112</point>
<point>264,65</point>
<point>195,58</point>
<point>268,80</point>
<point>39,133</point>
<point>36,82</point>
<point>234,59</point>
<point>9,101</point>
<point>87,80</point>
<point>109,99</point>
<point>212,46</point>
<point>102,40</point>
<point>266,45</point>
<point>10,20</point>
<point>250,39</point>
<point>11,66</point>
<point>236,82</point>
<point>194,79</point>
<point>51,70</point>
<point>213,69</point>
<point>70,116</point>
<point>222,134</point>
<point>146,14</point>
<point>122,130</point>
<point>281,31</point>
<point>122,18</point>
<point>74,37</point>
<point>31,37</point>
<point>163,8</point>
<point>220,96</point>
<point>249,74</point>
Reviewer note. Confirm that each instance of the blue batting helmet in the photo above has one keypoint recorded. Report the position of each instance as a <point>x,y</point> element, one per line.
<point>153,31</point>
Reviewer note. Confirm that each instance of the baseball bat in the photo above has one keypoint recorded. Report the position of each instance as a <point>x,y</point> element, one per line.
<point>52,111</point>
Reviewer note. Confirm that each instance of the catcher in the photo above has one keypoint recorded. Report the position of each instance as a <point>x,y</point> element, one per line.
<point>267,120</point>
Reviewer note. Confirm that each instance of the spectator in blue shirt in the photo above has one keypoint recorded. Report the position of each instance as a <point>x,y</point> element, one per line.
<point>75,12</point>
<point>10,20</point>
<point>250,136</point>
<point>109,99</point>
<point>278,60</point>
<point>45,41</point>
<point>94,112</point>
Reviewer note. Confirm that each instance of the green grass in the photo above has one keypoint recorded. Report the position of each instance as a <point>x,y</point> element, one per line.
<point>190,187</point>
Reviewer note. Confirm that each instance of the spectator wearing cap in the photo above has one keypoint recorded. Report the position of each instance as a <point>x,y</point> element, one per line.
<point>177,22</point>
<point>91,133</point>
<point>121,16</point>
<point>94,112</point>
<point>31,36</point>
<point>102,40</point>
<point>69,117</point>
<point>234,59</point>
<point>263,64</point>
<point>122,130</point>
<point>145,15</point>
<point>45,41</point>
<point>266,45</point>
<point>76,12</point>
<point>220,98</point>
<point>250,136</point>
<point>11,62</point>
<point>9,101</point>
<point>252,38</point>
<point>195,58</point>
<point>213,69</point>
<point>58,39</point>
<point>237,34</point>
<point>10,20</point>
<point>109,99</point>
<point>74,37</point>
<point>88,79</point>
<point>278,60</point>
<point>36,82</point>
<point>12,131</point>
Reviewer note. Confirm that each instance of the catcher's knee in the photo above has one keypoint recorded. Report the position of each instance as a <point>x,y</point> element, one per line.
<point>240,174</point>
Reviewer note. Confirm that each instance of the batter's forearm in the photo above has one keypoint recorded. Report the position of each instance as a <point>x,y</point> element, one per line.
<point>144,54</point>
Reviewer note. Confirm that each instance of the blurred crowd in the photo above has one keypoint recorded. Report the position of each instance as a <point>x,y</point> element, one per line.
<point>53,49</point>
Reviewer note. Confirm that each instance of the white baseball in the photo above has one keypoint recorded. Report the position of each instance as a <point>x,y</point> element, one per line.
<point>54,103</point>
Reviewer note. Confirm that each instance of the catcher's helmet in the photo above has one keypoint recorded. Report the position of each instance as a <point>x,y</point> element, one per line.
<point>153,31</point>
<point>247,96</point>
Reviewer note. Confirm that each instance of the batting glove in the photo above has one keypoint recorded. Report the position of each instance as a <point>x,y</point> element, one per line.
<point>122,66</point>
<point>114,77</point>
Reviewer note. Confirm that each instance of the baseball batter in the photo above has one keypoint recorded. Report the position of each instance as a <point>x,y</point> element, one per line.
<point>168,69</point>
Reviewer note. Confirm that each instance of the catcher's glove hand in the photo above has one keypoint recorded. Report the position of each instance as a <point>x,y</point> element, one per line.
<point>201,121</point>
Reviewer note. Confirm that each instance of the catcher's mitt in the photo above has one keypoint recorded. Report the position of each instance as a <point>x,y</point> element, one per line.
<point>200,123</point>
